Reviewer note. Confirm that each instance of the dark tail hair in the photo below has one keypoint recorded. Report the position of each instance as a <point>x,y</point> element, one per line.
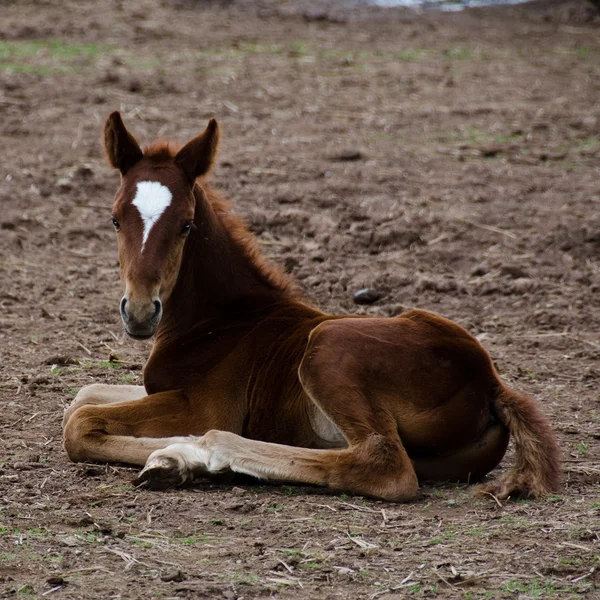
<point>537,459</point>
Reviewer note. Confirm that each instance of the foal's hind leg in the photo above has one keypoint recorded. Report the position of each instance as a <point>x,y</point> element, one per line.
<point>376,462</point>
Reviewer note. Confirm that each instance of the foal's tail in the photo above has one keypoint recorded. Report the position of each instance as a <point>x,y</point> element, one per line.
<point>536,470</point>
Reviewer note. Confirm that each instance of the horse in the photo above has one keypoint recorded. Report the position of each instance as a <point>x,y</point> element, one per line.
<point>245,377</point>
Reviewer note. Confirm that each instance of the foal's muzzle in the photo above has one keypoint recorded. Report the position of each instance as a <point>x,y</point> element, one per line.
<point>141,319</point>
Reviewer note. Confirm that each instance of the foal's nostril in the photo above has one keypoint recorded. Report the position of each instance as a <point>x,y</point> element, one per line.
<point>157,308</point>
<point>124,314</point>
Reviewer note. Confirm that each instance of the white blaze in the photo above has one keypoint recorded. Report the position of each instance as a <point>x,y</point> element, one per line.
<point>151,199</point>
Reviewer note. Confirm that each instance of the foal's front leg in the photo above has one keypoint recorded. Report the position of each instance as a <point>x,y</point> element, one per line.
<point>376,466</point>
<point>375,463</point>
<point>102,393</point>
<point>219,451</point>
<point>102,428</point>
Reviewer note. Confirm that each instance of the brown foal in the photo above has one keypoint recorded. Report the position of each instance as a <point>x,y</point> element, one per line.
<point>244,377</point>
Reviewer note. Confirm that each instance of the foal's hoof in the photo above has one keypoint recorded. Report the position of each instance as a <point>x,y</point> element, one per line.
<point>160,473</point>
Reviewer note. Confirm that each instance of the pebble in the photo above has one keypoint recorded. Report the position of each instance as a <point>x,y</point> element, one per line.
<point>514,271</point>
<point>436,283</point>
<point>64,184</point>
<point>84,171</point>
<point>134,86</point>
<point>397,309</point>
<point>61,359</point>
<point>27,466</point>
<point>367,296</point>
<point>90,471</point>
<point>524,285</point>
<point>173,576</point>
<point>71,541</point>
<point>480,270</point>
<point>349,155</point>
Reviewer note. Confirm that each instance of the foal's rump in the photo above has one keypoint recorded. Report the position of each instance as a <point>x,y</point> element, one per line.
<point>464,419</point>
<point>536,468</point>
<point>428,378</point>
<point>456,433</point>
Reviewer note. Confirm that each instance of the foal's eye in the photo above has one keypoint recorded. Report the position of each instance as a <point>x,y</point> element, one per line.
<point>186,228</point>
<point>116,224</point>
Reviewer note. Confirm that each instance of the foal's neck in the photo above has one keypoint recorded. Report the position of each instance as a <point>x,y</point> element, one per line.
<point>223,275</point>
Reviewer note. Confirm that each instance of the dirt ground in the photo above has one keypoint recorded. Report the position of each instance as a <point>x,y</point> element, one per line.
<point>451,161</point>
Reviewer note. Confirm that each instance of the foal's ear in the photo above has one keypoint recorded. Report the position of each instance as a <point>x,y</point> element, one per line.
<point>121,148</point>
<point>197,156</point>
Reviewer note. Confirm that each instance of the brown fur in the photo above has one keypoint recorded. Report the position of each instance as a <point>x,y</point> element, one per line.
<point>271,386</point>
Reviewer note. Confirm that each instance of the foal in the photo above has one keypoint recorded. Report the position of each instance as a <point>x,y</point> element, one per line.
<point>244,377</point>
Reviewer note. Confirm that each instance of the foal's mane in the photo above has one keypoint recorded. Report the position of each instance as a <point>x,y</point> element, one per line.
<point>161,151</point>
<point>270,273</point>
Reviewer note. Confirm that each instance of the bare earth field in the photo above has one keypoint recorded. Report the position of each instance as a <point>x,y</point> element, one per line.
<point>451,161</point>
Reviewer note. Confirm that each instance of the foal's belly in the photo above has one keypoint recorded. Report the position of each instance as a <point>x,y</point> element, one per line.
<point>423,432</point>
<point>325,430</point>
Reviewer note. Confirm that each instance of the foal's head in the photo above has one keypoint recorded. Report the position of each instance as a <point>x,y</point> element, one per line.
<point>153,214</point>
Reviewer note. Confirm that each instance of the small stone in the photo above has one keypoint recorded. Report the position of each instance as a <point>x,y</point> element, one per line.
<point>318,15</point>
<point>367,296</point>
<point>27,466</point>
<point>315,15</point>
<point>173,576</point>
<point>71,541</point>
<point>61,359</point>
<point>587,123</point>
<point>349,155</point>
<point>436,283</point>
<point>392,236</point>
<point>480,270</point>
<point>290,263</point>
<point>396,309</point>
<point>524,285</point>
<point>288,199</point>
<point>64,184</point>
<point>89,471</point>
<point>134,86</point>
<point>540,125</point>
<point>514,271</point>
<point>84,171</point>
